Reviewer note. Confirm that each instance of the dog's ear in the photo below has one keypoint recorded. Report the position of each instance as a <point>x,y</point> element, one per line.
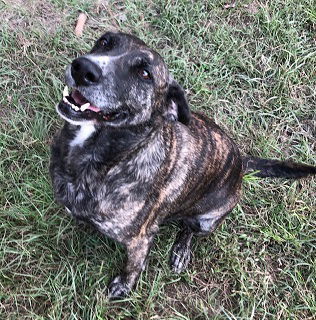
<point>177,105</point>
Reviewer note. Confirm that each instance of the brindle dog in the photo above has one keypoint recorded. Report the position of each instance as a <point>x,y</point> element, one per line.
<point>131,155</point>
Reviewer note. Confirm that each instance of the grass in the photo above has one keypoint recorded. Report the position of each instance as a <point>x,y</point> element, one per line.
<point>252,68</point>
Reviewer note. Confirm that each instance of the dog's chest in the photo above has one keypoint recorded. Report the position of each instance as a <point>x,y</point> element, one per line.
<point>84,133</point>
<point>109,193</point>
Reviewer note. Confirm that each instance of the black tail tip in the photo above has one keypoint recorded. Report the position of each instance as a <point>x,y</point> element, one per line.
<point>277,169</point>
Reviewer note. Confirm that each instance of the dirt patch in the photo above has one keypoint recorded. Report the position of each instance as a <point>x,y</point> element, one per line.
<point>253,7</point>
<point>107,15</point>
<point>19,14</point>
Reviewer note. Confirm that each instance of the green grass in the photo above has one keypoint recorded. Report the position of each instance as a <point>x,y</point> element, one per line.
<point>251,68</point>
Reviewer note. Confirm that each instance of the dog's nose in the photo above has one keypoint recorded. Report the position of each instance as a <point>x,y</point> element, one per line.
<point>85,72</point>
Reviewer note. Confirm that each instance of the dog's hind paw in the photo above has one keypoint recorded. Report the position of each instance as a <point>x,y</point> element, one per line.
<point>180,258</point>
<point>118,288</point>
<point>181,252</point>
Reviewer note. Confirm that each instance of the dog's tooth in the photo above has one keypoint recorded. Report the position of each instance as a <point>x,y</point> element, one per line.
<point>65,100</point>
<point>66,92</point>
<point>74,107</point>
<point>85,106</point>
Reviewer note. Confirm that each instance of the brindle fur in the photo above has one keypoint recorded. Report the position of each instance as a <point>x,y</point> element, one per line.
<point>126,178</point>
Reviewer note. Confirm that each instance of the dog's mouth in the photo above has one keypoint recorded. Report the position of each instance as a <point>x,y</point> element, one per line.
<point>74,106</point>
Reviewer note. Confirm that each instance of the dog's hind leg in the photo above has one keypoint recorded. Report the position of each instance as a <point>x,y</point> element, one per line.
<point>181,250</point>
<point>200,225</point>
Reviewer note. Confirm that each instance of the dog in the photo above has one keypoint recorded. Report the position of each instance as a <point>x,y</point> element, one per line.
<point>131,155</point>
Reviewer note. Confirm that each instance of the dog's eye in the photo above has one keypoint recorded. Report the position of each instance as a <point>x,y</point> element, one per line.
<point>104,42</point>
<point>144,74</point>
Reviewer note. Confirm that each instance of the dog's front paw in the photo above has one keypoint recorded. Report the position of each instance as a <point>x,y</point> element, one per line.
<point>180,257</point>
<point>118,288</point>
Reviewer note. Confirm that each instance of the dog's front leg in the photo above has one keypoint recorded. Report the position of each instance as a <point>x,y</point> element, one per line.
<point>137,252</point>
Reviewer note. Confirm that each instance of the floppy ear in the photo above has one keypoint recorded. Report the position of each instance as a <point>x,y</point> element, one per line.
<point>177,105</point>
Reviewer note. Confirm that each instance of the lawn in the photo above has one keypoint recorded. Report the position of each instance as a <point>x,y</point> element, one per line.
<point>251,66</point>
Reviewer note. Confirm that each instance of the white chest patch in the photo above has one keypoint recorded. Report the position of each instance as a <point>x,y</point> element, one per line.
<point>83,134</point>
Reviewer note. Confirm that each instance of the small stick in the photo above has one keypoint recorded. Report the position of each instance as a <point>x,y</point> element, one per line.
<point>80,24</point>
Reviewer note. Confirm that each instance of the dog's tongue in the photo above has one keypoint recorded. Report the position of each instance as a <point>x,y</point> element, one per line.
<point>94,108</point>
<point>81,100</point>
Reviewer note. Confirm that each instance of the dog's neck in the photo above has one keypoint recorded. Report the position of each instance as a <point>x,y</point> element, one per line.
<point>106,143</point>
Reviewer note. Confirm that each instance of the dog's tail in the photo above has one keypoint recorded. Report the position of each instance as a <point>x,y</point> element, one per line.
<point>276,169</point>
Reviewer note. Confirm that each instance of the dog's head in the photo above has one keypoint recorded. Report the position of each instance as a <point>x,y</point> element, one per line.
<point>121,82</point>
